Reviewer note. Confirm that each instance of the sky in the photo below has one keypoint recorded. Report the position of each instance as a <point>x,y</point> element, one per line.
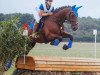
<point>90,7</point>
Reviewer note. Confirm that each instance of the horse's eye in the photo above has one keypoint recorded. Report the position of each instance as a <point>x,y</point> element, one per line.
<point>73,15</point>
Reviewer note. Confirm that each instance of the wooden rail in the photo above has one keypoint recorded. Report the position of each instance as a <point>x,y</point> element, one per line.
<point>58,64</point>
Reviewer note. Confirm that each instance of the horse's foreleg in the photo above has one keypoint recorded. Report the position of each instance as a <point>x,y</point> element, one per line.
<point>70,41</point>
<point>56,39</point>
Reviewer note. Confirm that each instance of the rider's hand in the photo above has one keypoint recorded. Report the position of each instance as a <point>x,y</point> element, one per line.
<point>50,13</point>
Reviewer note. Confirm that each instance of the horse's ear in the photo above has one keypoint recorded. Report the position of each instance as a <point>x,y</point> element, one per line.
<point>78,8</point>
<point>73,7</point>
<point>75,10</point>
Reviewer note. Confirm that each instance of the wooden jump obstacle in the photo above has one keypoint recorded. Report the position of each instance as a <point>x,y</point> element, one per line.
<point>58,64</point>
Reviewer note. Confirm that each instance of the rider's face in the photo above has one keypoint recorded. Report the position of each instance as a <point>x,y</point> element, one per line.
<point>49,2</point>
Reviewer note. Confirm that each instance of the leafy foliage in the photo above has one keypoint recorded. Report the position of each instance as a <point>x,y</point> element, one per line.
<point>12,42</point>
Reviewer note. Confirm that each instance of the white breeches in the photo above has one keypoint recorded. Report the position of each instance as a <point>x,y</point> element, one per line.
<point>36,16</point>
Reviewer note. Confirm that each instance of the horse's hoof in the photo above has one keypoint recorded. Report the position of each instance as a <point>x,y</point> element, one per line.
<point>52,43</point>
<point>65,47</point>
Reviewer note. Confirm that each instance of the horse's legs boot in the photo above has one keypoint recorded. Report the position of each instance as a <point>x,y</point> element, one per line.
<point>70,41</point>
<point>56,41</point>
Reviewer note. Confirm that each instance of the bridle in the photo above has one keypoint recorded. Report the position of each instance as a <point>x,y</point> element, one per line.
<point>69,16</point>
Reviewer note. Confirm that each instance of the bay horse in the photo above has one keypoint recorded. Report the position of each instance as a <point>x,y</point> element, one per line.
<point>53,29</point>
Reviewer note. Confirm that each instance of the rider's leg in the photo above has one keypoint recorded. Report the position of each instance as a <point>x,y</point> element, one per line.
<point>36,27</point>
<point>37,20</point>
<point>35,30</point>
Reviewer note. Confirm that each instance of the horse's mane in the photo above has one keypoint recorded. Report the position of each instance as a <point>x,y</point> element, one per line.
<point>60,8</point>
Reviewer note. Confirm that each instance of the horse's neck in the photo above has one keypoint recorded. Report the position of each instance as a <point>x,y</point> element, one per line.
<point>61,16</point>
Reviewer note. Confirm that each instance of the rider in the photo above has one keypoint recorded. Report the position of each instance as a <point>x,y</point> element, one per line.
<point>45,9</point>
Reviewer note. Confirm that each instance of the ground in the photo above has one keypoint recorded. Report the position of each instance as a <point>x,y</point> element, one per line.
<point>84,50</point>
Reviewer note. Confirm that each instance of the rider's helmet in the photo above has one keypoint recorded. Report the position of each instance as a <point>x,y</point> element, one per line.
<point>49,1</point>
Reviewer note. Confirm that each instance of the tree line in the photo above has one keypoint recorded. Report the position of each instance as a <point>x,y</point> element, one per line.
<point>83,34</point>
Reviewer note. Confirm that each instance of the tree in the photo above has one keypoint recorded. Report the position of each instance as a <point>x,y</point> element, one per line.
<point>1,17</point>
<point>12,43</point>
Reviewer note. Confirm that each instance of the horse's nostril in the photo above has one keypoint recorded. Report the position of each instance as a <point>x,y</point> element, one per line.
<point>75,28</point>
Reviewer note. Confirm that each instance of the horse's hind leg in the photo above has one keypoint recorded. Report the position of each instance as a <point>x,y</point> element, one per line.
<point>67,35</point>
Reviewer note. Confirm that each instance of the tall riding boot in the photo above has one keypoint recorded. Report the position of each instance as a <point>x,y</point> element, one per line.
<point>36,27</point>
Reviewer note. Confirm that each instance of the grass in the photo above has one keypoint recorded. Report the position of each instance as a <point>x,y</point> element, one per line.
<point>84,50</point>
<point>10,71</point>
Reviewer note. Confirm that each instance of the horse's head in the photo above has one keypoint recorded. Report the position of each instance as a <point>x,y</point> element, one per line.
<point>72,17</point>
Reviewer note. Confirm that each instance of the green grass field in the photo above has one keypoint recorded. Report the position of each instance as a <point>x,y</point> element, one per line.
<point>84,50</point>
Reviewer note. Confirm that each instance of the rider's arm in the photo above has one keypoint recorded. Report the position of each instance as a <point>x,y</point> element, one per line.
<point>42,13</point>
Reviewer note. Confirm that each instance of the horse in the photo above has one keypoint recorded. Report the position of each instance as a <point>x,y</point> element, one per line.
<point>53,29</point>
